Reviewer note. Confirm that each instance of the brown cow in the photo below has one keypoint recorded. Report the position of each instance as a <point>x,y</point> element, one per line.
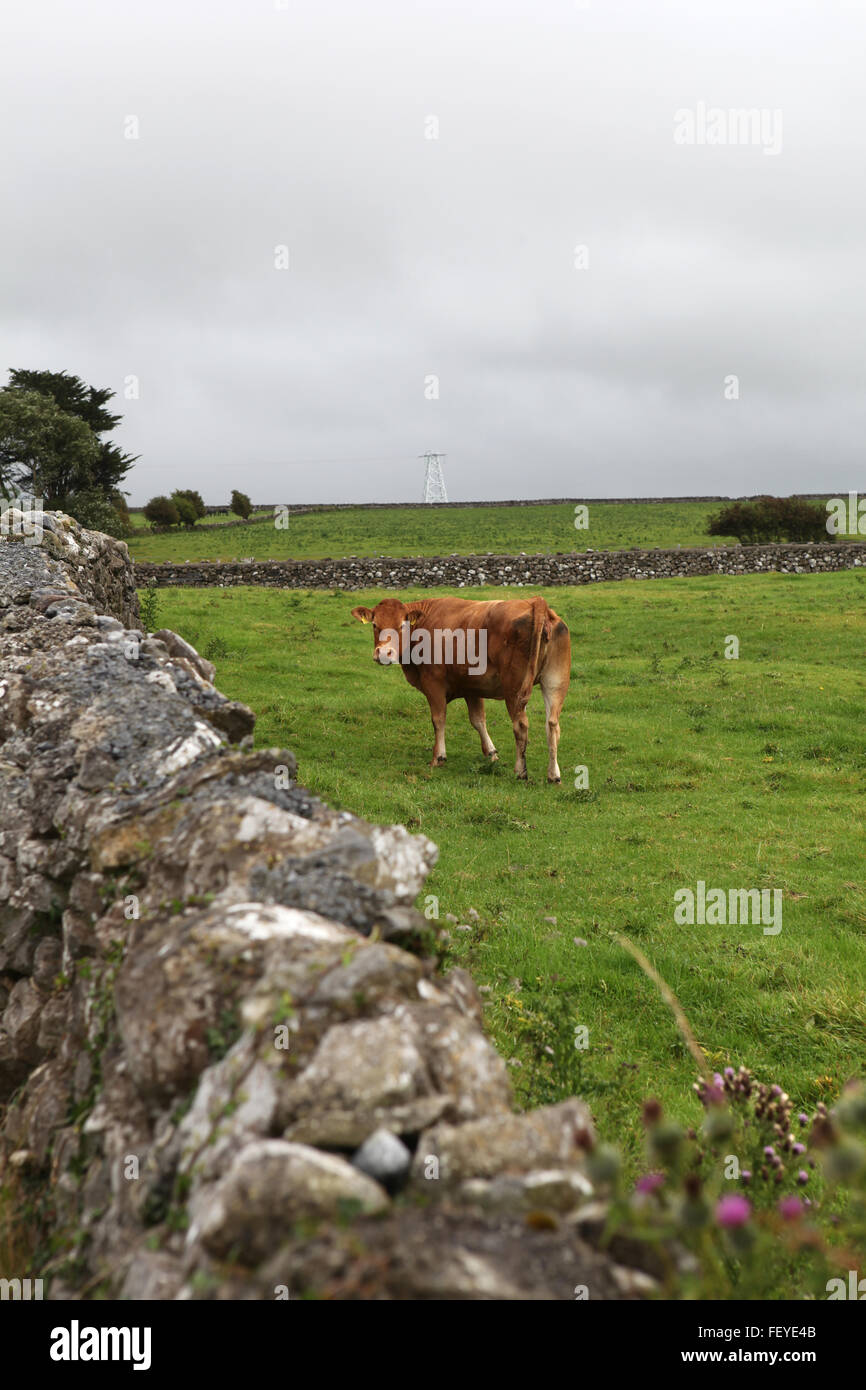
<point>455,648</point>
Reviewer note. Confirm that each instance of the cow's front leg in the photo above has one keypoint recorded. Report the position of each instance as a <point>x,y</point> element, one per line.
<point>437,714</point>
<point>478,720</point>
<point>520,725</point>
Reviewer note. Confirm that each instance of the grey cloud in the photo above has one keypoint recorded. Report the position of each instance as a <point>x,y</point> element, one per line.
<point>305,126</point>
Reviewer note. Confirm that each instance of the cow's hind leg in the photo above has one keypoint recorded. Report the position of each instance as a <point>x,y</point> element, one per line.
<point>520,724</point>
<point>554,698</point>
<point>478,720</point>
<point>554,682</point>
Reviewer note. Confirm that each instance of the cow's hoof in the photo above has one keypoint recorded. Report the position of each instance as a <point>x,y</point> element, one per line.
<point>554,781</point>
<point>492,755</point>
<point>437,762</point>
<point>523,776</point>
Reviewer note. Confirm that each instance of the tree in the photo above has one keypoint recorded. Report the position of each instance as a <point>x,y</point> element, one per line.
<point>87,403</point>
<point>97,512</point>
<point>44,451</point>
<point>185,509</point>
<point>162,511</point>
<point>119,503</point>
<point>193,497</point>
<point>241,504</point>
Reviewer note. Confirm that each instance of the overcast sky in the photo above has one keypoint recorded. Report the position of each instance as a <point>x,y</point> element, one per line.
<point>305,124</point>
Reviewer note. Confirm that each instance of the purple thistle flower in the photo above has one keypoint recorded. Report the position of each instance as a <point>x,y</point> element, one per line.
<point>769,1151</point>
<point>746,1175</point>
<point>802,1177</point>
<point>650,1182</point>
<point>791,1208</point>
<point>798,1148</point>
<point>711,1092</point>
<point>733,1211</point>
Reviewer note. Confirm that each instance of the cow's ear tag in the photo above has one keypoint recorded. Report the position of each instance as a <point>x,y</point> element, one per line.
<point>365,621</point>
<point>413,618</point>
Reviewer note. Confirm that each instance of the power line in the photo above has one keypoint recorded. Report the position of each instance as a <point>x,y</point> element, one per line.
<point>373,458</point>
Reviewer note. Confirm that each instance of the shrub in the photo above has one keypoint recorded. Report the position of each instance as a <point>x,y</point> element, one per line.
<point>162,511</point>
<point>215,649</point>
<point>771,519</point>
<point>805,521</point>
<point>191,496</point>
<point>240,504</point>
<point>186,511</point>
<point>148,607</point>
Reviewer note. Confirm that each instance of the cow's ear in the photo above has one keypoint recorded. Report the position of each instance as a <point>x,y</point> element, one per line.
<point>364,615</point>
<point>413,614</point>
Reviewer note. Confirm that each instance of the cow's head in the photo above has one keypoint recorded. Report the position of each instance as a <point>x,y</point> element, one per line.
<point>391,621</point>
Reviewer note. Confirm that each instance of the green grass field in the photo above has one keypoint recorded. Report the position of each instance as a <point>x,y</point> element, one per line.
<point>439,531</point>
<point>745,773</point>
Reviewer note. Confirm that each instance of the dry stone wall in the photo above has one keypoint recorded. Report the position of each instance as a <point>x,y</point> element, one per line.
<point>460,571</point>
<point>511,502</point>
<point>230,1066</point>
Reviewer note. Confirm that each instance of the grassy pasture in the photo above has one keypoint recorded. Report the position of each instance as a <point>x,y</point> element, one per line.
<point>535,529</point>
<point>406,531</point>
<point>745,773</point>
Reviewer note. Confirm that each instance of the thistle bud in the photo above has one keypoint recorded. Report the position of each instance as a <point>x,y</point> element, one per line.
<point>718,1125</point>
<point>603,1165</point>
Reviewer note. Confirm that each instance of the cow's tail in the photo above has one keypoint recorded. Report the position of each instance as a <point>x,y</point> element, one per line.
<point>541,627</point>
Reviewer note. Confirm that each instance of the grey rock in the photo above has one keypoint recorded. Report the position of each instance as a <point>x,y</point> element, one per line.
<point>176,646</point>
<point>504,1143</point>
<point>270,1186</point>
<point>384,1156</point>
<point>559,1190</point>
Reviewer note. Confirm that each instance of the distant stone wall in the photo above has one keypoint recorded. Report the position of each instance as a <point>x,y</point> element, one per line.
<point>512,502</point>
<point>459,571</point>
<point>223,1026</point>
<point>258,518</point>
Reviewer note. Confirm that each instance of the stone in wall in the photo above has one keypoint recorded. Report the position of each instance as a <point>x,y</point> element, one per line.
<point>230,1066</point>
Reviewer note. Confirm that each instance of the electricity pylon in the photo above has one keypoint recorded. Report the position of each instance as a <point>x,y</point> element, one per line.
<point>434,482</point>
